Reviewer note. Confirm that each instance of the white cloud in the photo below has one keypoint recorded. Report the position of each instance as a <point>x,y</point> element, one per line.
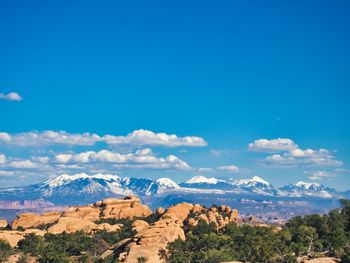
<point>274,145</point>
<point>229,168</point>
<point>319,175</point>
<point>135,139</point>
<point>3,159</point>
<point>140,159</point>
<point>35,138</point>
<point>6,173</point>
<point>288,154</point>
<point>12,96</point>
<point>25,164</point>
<point>308,157</point>
<point>145,137</point>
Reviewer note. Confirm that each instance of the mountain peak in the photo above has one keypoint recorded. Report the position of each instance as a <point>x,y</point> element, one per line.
<point>254,179</point>
<point>66,178</point>
<point>306,185</point>
<point>167,182</point>
<point>199,179</point>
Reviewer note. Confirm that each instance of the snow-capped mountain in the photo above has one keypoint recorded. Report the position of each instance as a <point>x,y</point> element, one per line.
<point>202,182</point>
<point>82,188</point>
<point>301,189</point>
<point>255,185</point>
<point>78,187</point>
<point>202,179</point>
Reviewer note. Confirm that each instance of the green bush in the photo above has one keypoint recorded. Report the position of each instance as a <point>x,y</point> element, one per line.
<point>5,250</point>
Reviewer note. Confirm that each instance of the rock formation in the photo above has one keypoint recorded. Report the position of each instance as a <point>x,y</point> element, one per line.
<point>3,223</point>
<point>151,241</point>
<point>80,218</point>
<point>13,237</point>
<point>128,207</point>
<point>31,220</point>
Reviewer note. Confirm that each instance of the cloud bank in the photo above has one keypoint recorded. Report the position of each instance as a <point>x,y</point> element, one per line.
<point>137,138</point>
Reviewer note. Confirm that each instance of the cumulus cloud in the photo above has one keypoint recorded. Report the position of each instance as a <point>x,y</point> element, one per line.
<point>145,137</point>
<point>137,138</point>
<point>274,145</point>
<point>26,164</point>
<point>309,157</point>
<point>229,168</point>
<point>319,175</point>
<point>12,96</point>
<point>35,138</point>
<point>287,153</point>
<point>3,159</point>
<point>144,158</point>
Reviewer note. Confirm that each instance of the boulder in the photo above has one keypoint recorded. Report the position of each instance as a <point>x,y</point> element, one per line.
<point>84,212</point>
<point>139,225</point>
<point>160,210</point>
<point>71,225</point>
<point>152,241</point>
<point>31,220</point>
<point>3,223</point>
<point>128,207</point>
<point>13,237</point>
<point>108,227</point>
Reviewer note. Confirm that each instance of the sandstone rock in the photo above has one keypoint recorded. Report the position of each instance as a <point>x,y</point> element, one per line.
<point>153,239</point>
<point>108,227</point>
<point>197,208</point>
<point>322,260</point>
<point>139,225</point>
<point>13,237</point>
<point>204,217</point>
<point>3,223</point>
<point>71,225</point>
<point>84,212</point>
<point>160,210</point>
<point>128,207</point>
<point>31,220</point>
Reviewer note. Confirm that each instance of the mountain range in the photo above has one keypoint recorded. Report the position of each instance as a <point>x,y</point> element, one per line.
<point>72,188</point>
<point>248,195</point>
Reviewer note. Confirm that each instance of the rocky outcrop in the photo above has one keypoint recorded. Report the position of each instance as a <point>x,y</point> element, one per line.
<point>139,225</point>
<point>84,217</point>
<point>151,241</point>
<point>71,225</point>
<point>13,237</point>
<point>220,216</point>
<point>129,207</point>
<point>31,220</point>
<point>3,223</point>
<point>322,260</point>
<point>90,213</point>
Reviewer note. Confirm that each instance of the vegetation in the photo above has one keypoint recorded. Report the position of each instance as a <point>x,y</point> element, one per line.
<point>311,235</point>
<point>5,250</point>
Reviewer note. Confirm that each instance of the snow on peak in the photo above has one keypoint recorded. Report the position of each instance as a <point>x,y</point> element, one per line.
<point>254,179</point>
<point>166,182</point>
<point>202,179</point>
<point>306,185</point>
<point>66,178</point>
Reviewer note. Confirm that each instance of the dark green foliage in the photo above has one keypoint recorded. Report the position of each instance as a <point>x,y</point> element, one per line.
<point>31,244</point>
<point>5,250</point>
<point>311,235</point>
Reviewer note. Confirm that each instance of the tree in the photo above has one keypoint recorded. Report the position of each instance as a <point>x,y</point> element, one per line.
<point>5,250</point>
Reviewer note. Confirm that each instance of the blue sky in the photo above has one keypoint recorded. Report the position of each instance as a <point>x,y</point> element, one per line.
<point>229,72</point>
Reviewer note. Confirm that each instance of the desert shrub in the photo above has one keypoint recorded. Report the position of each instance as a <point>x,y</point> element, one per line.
<point>5,250</point>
